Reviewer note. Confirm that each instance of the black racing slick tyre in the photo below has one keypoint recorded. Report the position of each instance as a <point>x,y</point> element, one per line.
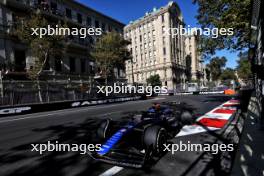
<point>154,138</point>
<point>103,129</point>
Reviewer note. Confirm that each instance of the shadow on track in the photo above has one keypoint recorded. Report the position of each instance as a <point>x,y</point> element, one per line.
<point>221,163</point>
<point>250,156</point>
<point>20,161</point>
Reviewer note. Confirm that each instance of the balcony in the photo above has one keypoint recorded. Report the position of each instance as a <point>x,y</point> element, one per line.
<point>77,43</point>
<point>46,7</point>
<point>19,4</point>
<point>8,27</point>
<point>179,66</point>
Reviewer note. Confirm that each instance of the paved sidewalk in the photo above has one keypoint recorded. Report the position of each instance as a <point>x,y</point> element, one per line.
<point>249,159</point>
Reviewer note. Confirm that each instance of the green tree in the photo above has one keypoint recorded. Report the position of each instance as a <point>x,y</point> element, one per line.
<point>40,48</point>
<point>154,80</point>
<point>216,66</point>
<point>208,73</point>
<point>228,74</point>
<point>244,67</point>
<point>110,52</point>
<point>224,14</point>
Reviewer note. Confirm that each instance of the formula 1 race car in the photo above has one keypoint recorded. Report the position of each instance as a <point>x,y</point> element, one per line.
<point>138,142</point>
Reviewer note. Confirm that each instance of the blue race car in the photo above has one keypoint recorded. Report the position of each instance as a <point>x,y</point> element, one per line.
<point>138,142</point>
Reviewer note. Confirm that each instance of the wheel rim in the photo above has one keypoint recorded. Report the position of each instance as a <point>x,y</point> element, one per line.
<point>161,139</point>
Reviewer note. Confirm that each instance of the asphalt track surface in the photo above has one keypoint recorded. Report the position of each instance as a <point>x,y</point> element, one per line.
<point>78,126</point>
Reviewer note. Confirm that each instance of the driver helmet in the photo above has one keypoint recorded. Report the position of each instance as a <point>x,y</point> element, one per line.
<point>157,106</point>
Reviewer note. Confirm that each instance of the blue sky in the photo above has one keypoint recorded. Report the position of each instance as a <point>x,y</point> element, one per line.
<point>129,10</point>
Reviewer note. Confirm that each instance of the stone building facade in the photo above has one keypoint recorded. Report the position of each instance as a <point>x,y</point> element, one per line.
<point>154,51</point>
<point>75,64</point>
<point>196,65</point>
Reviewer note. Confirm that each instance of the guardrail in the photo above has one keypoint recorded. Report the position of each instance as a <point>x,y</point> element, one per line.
<point>200,93</point>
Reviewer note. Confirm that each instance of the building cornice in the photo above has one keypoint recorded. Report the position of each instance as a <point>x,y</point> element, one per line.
<point>152,15</point>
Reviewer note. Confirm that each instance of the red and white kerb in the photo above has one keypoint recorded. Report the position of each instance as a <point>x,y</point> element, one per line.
<point>213,120</point>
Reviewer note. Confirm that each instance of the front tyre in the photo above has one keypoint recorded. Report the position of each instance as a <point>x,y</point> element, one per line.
<point>154,139</point>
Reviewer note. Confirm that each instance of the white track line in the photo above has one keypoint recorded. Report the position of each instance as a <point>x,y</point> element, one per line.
<point>112,171</point>
<point>194,130</point>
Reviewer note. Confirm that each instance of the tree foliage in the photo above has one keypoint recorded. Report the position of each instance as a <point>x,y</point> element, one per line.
<point>41,48</point>
<point>224,14</point>
<point>208,73</point>
<point>110,52</point>
<point>244,67</point>
<point>228,74</point>
<point>216,66</point>
<point>154,80</point>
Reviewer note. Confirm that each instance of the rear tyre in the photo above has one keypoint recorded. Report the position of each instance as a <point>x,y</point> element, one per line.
<point>103,129</point>
<point>154,139</point>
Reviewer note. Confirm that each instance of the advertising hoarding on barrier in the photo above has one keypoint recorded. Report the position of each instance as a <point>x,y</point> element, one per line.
<point>33,108</point>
